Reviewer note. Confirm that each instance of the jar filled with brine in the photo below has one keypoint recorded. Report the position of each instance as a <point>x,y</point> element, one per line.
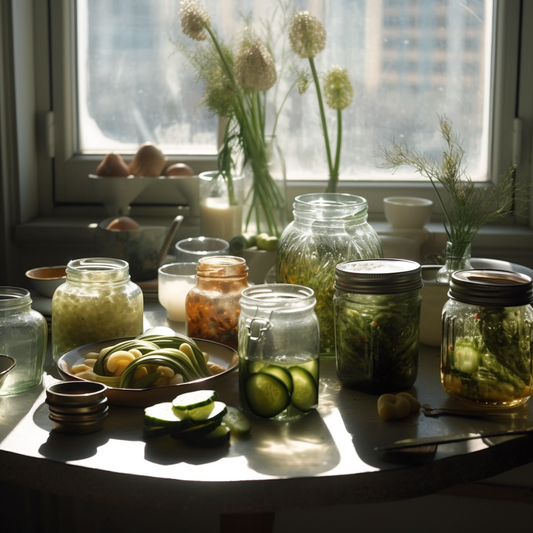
<point>98,301</point>
<point>487,338</point>
<point>212,306</point>
<point>328,228</point>
<point>23,336</point>
<point>279,344</point>
<point>377,324</point>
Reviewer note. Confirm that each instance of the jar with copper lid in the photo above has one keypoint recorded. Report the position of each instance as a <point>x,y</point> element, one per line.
<point>487,338</point>
<point>212,306</point>
<point>98,301</point>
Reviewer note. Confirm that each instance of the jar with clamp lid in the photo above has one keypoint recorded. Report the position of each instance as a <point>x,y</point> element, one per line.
<point>487,338</point>
<point>212,305</point>
<point>23,336</point>
<point>377,324</point>
<point>279,348</point>
<point>97,302</point>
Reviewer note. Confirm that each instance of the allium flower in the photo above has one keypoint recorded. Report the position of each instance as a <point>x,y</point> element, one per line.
<point>194,19</point>
<point>306,35</point>
<point>338,88</point>
<point>254,67</point>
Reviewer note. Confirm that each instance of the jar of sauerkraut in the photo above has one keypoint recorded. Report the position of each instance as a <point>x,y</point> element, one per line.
<point>487,338</point>
<point>97,302</point>
<point>212,306</point>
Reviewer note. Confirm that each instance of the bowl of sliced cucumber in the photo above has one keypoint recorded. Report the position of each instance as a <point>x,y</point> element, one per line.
<point>150,368</point>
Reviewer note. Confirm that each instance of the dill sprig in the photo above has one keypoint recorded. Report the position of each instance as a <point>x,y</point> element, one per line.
<point>467,206</point>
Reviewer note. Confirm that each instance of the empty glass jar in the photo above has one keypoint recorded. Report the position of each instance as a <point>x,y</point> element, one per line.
<point>487,342</point>
<point>23,336</point>
<point>97,302</point>
<point>278,351</point>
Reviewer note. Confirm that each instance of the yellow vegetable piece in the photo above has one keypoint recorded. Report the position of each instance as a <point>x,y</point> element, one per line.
<point>120,367</point>
<point>76,369</point>
<point>187,350</point>
<point>141,372</point>
<point>166,371</point>
<point>393,406</point>
<point>136,353</point>
<point>114,358</point>
<point>415,404</point>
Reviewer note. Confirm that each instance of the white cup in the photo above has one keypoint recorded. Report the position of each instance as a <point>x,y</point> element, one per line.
<point>175,280</point>
<point>193,248</point>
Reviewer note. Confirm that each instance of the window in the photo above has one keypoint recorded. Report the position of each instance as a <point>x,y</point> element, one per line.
<point>117,83</point>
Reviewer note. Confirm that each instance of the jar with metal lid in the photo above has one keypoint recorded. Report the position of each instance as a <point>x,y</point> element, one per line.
<point>279,343</point>
<point>487,338</point>
<point>23,336</point>
<point>212,305</point>
<point>98,301</point>
<point>377,324</point>
<point>328,228</point>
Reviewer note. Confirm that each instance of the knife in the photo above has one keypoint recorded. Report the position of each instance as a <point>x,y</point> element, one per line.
<point>459,437</point>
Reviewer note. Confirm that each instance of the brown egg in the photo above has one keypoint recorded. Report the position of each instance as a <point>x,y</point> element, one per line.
<point>123,224</point>
<point>112,166</point>
<point>148,161</point>
<point>179,170</point>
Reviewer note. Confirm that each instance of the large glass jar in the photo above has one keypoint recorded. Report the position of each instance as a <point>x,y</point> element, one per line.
<point>97,302</point>
<point>23,336</point>
<point>278,351</point>
<point>487,338</point>
<point>377,324</point>
<point>328,228</point>
<point>212,306</point>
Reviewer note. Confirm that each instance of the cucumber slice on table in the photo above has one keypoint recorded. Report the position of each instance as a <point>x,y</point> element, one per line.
<point>219,436</point>
<point>237,421</point>
<point>267,396</point>
<point>163,414</point>
<point>197,428</point>
<point>196,405</point>
<point>305,392</point>
<point>152,432</point>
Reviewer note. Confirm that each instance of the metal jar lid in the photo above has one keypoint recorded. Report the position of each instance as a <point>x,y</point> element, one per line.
<point>491,287</point>
<point>378,276</point>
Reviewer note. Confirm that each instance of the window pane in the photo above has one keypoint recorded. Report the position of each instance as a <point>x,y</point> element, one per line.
<point>408,60</point>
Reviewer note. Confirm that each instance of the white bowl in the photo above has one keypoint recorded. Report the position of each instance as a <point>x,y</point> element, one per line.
<point>46,280</point>
<point>406,212</point>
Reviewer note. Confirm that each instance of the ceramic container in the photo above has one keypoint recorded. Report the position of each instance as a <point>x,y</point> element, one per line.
<point>405,212</point>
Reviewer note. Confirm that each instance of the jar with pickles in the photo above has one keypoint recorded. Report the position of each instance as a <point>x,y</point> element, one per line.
<point>328,228</point>
<point>487,341</point>
<point>212,306</point>
<point>97,302</point>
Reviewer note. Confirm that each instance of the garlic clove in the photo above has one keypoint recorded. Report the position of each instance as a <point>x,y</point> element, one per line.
<point>148,161</point>
<point>112,166</point>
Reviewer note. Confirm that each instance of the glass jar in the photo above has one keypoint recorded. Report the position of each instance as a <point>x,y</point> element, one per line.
<point>212,305</point>
<point>23,336</point>
<point>97,302</point>
<point>221,202</point>
<point>328,228</point>
<point>457,257</point>
<point>377,324</point>
<point>278,351</point>
<point>487,338</point>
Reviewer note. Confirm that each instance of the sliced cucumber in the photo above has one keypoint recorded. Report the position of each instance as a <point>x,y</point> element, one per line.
<point>203,426</point>
<point>196,405</point>
<point>237,421</point>
<point>312,368</point>
<point>267,396</point>
<point>305,392</point>
<point>219,436</point>
<point>162,414</point>
<point>152,432</point>
<point>280,373</point>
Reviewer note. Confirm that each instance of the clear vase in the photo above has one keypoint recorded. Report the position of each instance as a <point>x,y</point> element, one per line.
<point>265,194</point>
<point>221,205</point>
<point>457,258</point>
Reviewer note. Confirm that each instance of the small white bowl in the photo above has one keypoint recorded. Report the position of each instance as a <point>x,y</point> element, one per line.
<point>405,212</point>
<point>46,280</point>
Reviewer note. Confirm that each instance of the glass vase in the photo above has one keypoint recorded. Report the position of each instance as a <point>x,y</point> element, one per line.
<point>328,229</point>
<point>221,205</point>
<point>265,194</point>
<point>457,258</point>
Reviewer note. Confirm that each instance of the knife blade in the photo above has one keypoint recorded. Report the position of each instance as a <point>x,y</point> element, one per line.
<point>445,439</point>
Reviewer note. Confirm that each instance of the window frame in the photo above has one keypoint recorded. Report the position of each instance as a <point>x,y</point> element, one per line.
<point>54,174</point>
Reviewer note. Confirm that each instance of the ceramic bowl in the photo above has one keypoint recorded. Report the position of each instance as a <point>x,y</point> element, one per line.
<point>7,364</point>
<point>405,212</point>
<point>46,280</point>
